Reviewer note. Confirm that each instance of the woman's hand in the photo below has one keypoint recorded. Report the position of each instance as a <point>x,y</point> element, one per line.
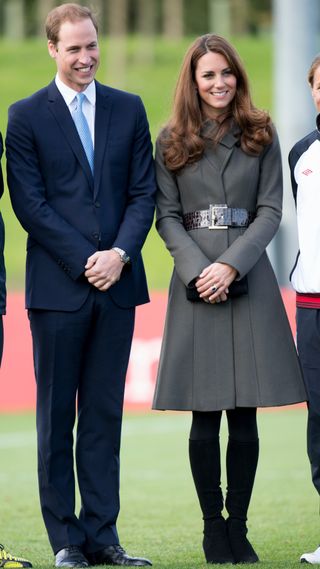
<point>214,281</point>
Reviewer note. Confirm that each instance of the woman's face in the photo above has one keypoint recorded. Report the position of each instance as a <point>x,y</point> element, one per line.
<point>315,89</point>
<point>216,84</point>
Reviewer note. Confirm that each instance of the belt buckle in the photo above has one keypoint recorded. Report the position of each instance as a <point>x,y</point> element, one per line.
<point>216,213</point>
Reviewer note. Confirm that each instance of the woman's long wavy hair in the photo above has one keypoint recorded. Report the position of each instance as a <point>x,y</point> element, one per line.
<point>181,139</point>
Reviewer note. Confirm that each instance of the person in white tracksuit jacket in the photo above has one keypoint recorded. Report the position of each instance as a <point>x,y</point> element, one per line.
<point>304,160</point>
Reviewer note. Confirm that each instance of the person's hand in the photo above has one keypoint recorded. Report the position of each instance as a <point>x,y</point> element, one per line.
<point>214,281</point>
<point>103,269</point>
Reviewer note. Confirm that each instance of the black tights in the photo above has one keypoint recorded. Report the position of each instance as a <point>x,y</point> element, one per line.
<point>242,424</point>
<point>241,461</point>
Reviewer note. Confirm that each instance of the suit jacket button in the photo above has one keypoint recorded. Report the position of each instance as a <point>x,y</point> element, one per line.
<point>95,235</point>
<point>96,204</point>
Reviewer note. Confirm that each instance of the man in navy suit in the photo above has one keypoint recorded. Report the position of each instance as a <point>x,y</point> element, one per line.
<point>2,267</point>
<point>86,223</point>
<point>6,558</point>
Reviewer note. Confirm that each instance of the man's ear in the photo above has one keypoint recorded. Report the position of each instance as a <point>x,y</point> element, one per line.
<point>52,49</point>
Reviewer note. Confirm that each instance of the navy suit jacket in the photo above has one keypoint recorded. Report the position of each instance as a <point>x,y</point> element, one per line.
<point>2,267</point>
<point>69,214</point>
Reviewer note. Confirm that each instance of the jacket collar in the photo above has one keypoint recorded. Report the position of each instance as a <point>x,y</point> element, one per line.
<point>229,139</point>
<point>62,114</point>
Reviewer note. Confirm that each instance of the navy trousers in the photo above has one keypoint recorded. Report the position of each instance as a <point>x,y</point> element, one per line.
<point>81,360</point>
<point>308,344</point>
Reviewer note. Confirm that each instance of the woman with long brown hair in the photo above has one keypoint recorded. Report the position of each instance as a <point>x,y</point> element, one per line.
<point>227,343</point>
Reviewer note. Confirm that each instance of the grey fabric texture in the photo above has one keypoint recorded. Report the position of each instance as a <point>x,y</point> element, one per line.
<point>238,353</point>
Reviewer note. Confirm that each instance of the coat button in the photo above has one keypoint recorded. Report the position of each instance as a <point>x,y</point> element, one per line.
<point>96,204</point>
<point>95,235</point>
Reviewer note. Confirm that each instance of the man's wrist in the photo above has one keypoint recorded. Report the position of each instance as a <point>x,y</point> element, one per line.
<point>122,254</point>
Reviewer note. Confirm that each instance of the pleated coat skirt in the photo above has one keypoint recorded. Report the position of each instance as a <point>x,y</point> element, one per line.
<point>238,353</point>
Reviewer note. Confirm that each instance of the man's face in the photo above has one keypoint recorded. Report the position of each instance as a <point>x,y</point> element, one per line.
<point>315,89</point>
<point>76,53</point>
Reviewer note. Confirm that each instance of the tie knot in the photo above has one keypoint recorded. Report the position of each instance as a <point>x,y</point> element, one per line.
<point>80,97</point>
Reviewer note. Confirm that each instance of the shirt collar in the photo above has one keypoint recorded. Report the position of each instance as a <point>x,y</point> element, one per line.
<point>69,94</point>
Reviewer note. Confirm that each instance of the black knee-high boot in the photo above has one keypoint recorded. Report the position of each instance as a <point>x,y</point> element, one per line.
<point>242,460</point>
<point>206,471</point>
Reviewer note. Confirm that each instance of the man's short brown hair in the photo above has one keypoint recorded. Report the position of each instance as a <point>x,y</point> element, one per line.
<point>66,12</point>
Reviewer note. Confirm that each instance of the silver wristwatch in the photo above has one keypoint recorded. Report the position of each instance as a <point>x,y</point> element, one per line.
<point>122,254</point>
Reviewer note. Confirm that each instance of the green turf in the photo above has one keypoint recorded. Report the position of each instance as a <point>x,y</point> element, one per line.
<point>160,516</point>
<point>26,67</point>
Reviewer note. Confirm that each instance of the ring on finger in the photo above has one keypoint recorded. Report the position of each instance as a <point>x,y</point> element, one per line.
<point>214,288</point>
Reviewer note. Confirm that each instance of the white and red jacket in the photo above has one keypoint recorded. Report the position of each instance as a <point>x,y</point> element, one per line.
<point>304,161</point>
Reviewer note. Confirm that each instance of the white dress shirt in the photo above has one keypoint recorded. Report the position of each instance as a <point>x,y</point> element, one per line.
<point>89,103</point>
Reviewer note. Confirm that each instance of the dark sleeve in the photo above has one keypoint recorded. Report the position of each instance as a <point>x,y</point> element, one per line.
<point>293,159</point>
<point>139,212</point>
<point>62,241</point>
<point>2,265</point>
<point>1,177</point>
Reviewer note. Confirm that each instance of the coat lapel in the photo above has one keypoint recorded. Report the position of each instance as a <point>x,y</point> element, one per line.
<point>219,157</point>
<point>229,141</point>
<point>102,130</point>
<point>59,109</point>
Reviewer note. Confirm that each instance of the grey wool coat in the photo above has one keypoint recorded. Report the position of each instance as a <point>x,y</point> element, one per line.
<point>238,353</point>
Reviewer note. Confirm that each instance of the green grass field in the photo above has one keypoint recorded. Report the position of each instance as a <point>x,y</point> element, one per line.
<point>26,67</point>
<point>160,517</point>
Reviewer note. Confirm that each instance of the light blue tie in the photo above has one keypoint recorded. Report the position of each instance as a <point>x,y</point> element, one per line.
<point>83,129</point>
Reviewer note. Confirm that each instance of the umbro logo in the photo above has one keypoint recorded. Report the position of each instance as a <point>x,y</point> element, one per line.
<point>307,172</point>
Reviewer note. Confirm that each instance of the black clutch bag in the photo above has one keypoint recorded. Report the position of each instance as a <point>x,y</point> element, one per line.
<point>237,288</point>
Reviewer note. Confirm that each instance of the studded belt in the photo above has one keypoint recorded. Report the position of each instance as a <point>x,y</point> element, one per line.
<point>218,217</point>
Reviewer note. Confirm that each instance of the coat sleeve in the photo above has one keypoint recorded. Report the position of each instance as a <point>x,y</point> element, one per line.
<point>246,250</point>
<point>65,244</point>
<point>2,264</point>
<point>1,177</point>
<point>139,212</point>
<point>189,260</point>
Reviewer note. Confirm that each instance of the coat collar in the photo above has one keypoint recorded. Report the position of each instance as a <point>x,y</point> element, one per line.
<point>63,117</point>
<point>102,130</point>
<point>230,138</point>
<point>220,156</point>
<point>60,111</point>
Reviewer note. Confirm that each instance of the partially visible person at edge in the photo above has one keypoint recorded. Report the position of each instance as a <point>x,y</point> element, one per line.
<point>219,201</point>
<point>6,559</point>
<point>81,180</point>
<point>304,160</point>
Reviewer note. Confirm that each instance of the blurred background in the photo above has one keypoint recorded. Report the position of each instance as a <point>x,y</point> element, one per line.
<point>142,45</point>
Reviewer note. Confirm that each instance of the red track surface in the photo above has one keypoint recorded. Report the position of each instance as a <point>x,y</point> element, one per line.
<point>17,384</point>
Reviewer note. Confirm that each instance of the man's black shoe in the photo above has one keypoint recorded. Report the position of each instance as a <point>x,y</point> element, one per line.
<point>71,556</point>
<point>116,555</point>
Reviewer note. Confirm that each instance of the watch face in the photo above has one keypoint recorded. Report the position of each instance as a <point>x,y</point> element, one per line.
<point>123,255</point>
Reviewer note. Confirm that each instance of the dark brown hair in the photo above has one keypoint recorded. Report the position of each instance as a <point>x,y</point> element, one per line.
<point>314,66</point>
<point>181,139</point>
<point>66,13</point>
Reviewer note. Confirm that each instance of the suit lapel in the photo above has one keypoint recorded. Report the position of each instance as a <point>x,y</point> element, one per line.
<point>59,109</point>
<point>102,130</point>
